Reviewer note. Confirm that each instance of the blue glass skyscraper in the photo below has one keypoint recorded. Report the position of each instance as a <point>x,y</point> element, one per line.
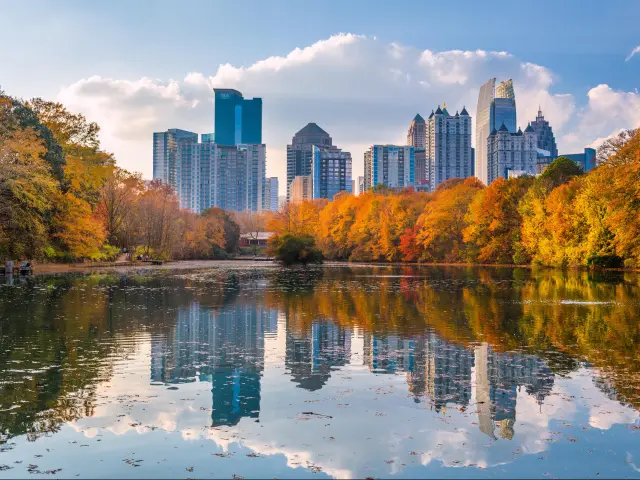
<point>503,111</point>
<point>237,121</point>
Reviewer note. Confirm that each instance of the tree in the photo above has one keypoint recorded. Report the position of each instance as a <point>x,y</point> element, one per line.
<point>116,204</point>
<point>290,249</point>
<point>494,223</point>
<point>158,219</point>
<point>26,186</point>
<point>559,172</point>
<point>440,227</point>
<point>612,145</point>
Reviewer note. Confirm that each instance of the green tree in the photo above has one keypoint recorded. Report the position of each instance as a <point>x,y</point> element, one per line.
<point>290,249</point>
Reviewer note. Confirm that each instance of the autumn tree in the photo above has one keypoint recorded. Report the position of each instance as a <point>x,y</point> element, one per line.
<point>158,219</point>
<point>612,145</point>
<point>116,205</point>
<point>26,186</point>
<point>439,229</point>
<point>493,231</point>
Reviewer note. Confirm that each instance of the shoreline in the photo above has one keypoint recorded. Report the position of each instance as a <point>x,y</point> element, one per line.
<point>59,268</point>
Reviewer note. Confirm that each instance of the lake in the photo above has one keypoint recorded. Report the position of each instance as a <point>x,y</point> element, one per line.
<point>249,370</point>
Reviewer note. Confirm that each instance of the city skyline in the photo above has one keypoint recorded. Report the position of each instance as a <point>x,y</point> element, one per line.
<point>302,76</point>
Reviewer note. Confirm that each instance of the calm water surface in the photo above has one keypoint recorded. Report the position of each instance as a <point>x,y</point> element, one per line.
<point>339,371</point>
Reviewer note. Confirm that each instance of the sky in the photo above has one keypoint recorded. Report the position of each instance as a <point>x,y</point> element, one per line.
<point>361,69</point>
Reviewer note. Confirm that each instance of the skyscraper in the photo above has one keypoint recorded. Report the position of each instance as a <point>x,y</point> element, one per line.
<point>330,172</point>
<point>390,165</point>
<point>448,149</point>
<point>496,106</point>
<point>417,135</point>
<point>271,194</point>
<point>509,152</point>
<point>225,176</point>
<point>299,153</point>
<point>165,145</point>
<point>361,188</point>
<point>237,121</point>
<point>546,140</point>
<point>483,127</point>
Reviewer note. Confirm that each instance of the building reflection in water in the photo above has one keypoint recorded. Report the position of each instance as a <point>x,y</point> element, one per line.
<point>312,354</point>
<point>225,347</point>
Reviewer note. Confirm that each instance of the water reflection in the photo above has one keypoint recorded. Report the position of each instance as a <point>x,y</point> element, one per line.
<point>450,356</point>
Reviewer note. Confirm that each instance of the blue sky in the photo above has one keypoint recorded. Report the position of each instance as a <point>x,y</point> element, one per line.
<point>48,46</point>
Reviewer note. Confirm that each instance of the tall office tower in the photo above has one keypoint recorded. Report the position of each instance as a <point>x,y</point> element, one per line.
<point>271,194</point>
<point>361,188</point>
<point>546,140</point>
<point>448,150</point>
<point>511,154</point>
<point>483,127</point>
<point>301,188</point>
<point>237,120</point>
<point>391,165</point>
<point>330,172</point>
<point>496,106</point>
<point>299,153</point>
<point>417,138</point>
<point>417,135</point>
<point>505,90</point>
<point>165,145</point>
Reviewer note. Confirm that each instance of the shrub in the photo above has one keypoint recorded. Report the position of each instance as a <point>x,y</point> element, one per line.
<point>604,261</point>
<point>290,249</point>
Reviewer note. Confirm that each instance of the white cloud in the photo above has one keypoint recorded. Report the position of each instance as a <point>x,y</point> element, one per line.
<point>606,113</point>
<point>633,52</point>
<point>359,89</point>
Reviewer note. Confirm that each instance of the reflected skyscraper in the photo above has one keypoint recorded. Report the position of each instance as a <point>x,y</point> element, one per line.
<point>498,379</point>
<point>312,355</point>
<point>224,347</point>
<point>439,371</point>
<point>388,353</point>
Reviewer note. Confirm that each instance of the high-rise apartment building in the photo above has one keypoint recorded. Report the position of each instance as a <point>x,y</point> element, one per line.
<point>300,154</point>
<point>225,176</point>
<point>271,194</point>
<point>237,120</point>
<point>420,171</point>
<point>361,188</point>
<point>546,139</point>
<point>165,145</point>
<point>448,152</point>
<point>496,106</point>
<point>511,154</point>
<point>390,165</point>
<point>301,188</point>
<point>330,172</point>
